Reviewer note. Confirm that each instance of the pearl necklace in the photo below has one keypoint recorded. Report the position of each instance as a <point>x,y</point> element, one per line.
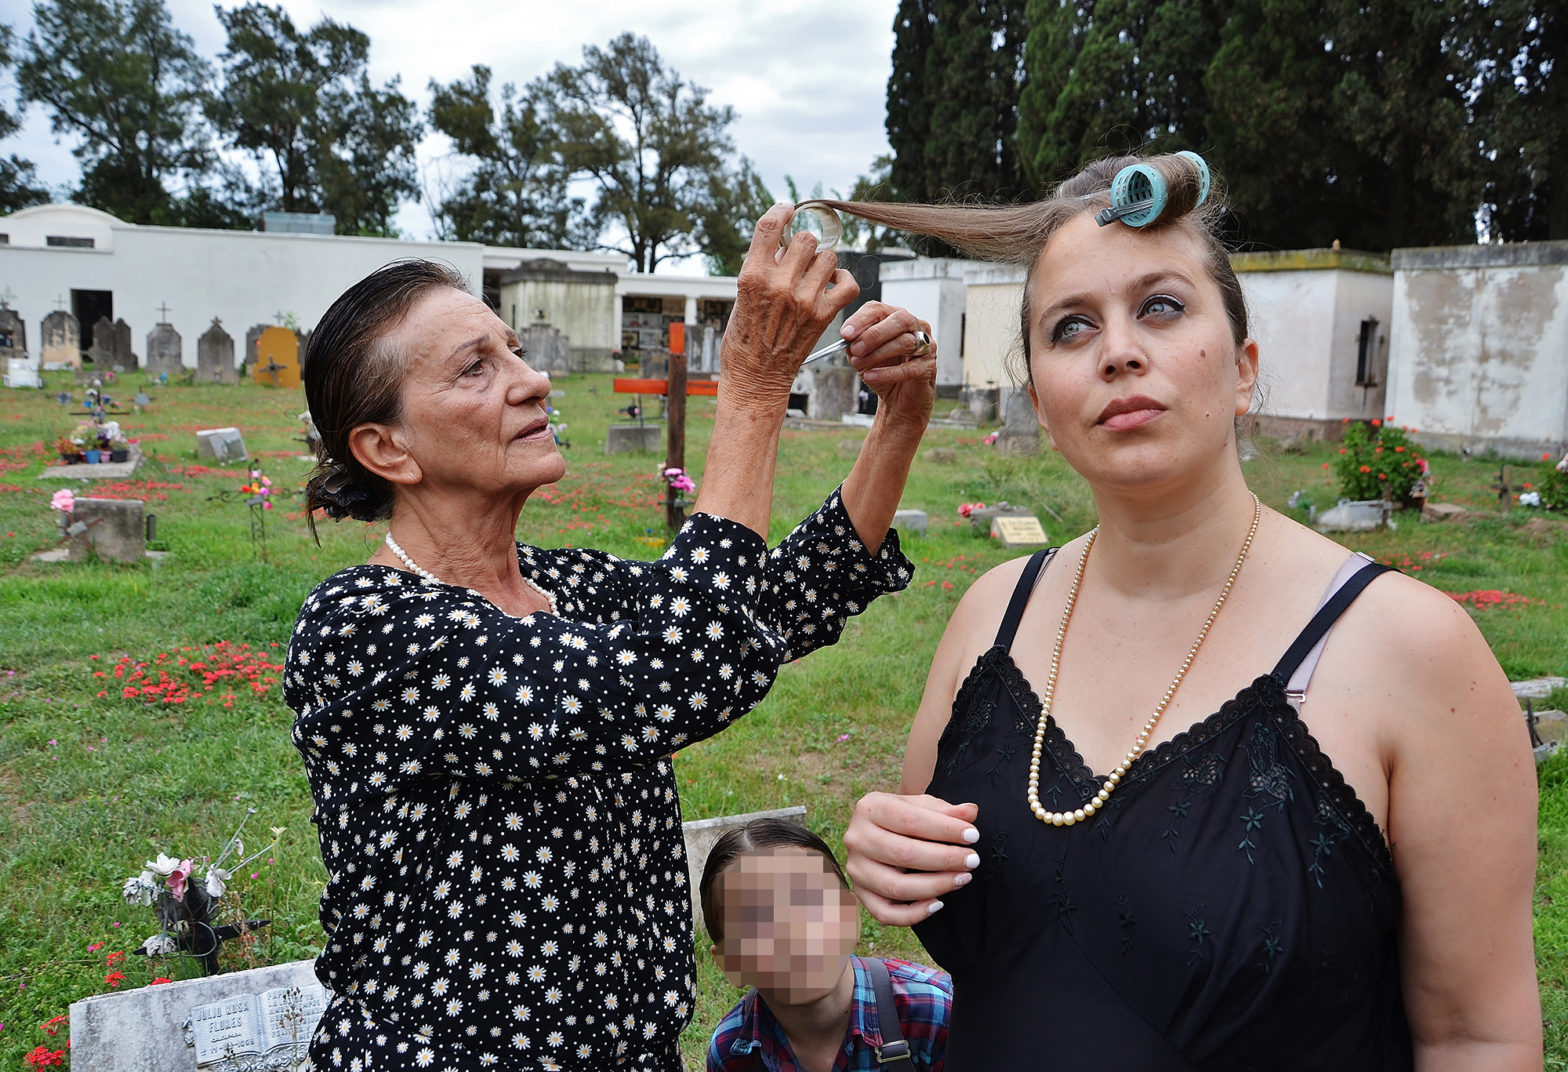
<point>1096,802</point>
<point>431,578</point>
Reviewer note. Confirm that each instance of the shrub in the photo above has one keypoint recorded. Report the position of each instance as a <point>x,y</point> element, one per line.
<point>1552,483</point>
<point>1377,458</point>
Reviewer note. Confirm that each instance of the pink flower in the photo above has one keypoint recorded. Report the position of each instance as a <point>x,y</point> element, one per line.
<point>178,879</point>
<point>64,500</point>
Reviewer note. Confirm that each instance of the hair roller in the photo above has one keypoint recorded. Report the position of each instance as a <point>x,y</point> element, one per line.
<point>1141,193</point>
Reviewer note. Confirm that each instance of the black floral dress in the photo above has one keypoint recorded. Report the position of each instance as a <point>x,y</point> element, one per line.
<point>496,806</point>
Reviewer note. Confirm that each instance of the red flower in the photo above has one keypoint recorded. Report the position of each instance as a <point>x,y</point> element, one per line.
<point>114,978</point>
<point>115,958</point>
<point>160,980</point>
<point>43,1057</point>
<point>1376,423</point>
<point>1366,468</point>
<point>1399,450</point>
<point>52,1025</point>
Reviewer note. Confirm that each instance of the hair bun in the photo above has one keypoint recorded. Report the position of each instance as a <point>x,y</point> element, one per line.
<point>335,490</point>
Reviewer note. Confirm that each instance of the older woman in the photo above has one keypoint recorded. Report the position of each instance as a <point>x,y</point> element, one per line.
<point>486,726</point>
<point>1122,860</point>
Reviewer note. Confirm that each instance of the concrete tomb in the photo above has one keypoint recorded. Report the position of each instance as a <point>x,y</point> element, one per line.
<point>834,392</point>
<point>215,356</point>
<point>548,350</point>
<point>626,438</point>
<point>62,342</point>
<point>124,356</point>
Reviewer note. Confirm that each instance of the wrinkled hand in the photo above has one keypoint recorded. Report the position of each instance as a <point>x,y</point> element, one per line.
<point>884,350</point>
<point>784,300</point>
<point>905,852</point>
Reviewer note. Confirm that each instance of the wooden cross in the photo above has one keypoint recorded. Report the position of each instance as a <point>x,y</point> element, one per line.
<point>674,389</point>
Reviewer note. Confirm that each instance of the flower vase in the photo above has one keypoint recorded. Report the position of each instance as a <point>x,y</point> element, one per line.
<point>120,455</point>
<point>92,457</point>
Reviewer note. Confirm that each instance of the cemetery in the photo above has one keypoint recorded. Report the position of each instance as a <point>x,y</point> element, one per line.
<point>139,682</point>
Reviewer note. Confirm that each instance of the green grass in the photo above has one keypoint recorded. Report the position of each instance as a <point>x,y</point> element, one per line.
<point>91,785</point>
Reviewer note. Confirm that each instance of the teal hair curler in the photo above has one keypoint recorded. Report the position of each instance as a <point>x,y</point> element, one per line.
<point>1139,193</point>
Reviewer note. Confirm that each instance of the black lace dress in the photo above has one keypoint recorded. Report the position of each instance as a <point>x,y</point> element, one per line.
<point>1234,906</point>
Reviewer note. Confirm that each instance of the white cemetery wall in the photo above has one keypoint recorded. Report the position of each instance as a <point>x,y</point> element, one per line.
<point>934,288</point>
<point>241,277</point>
<point>991,324</point>
<point>1479,354</point>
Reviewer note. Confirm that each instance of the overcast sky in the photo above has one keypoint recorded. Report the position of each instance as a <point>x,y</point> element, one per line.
<point>807,78</point>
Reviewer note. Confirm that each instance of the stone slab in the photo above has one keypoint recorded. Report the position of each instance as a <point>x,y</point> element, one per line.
<point>911,522</point>
<point>1361,516</point>
<point>1538,688</point>
<point>1442,511</point>
<point>99,471</point>
<point>626,438</point>
<point>981,519</point>
<point>144,1029</point>
<point>1019,530</point>
<point>22,372</point>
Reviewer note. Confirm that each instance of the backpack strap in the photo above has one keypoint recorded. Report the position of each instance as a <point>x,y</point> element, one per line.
<point>893,1047</point>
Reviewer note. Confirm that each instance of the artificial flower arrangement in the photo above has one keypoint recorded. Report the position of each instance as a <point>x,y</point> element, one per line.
<point>185,905</point>
<point>91,440</point>
<point>680,484</point>
<point>259,490</point>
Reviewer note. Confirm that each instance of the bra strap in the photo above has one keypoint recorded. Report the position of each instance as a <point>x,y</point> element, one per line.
<point>1317,629</point>
<point>1020,600</point>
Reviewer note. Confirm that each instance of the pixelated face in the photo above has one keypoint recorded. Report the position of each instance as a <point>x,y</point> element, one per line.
<point>789,924</point>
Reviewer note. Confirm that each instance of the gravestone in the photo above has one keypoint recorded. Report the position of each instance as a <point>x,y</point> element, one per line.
<point>221,444</point>
<point>215,356</point>
<point>834,392</point>
<point>277,358</point>
<point>980,519</point>
<point>151,1027</point>
<point>547,349</point>
<point>103,350</point>
<point>1022,530</point>
<point>116,529</point>
<point>626,438</point>
<point>250,343</point>
<point>165,351</point>
<point>62,340</point>
<point>911,522</point>
<point>13,333</point>
<point>1020,434</point>
<point>124,356</point>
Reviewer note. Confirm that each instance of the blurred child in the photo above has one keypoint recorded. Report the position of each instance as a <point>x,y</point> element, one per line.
<point>784,921</point>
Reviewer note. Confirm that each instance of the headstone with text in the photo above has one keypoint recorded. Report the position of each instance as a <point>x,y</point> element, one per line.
<point>1020,434</point>
<point>1019,530</point>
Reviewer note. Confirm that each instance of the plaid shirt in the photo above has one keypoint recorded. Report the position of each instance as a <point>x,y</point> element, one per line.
<point>750,1038</point>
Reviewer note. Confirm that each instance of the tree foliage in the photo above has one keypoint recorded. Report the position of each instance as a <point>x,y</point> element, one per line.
<point>117,76</point>
<point>647,140</point>
<point>517,193</point>
<point>325,137</point>
<point>17,176</point>
<point>952,96</point>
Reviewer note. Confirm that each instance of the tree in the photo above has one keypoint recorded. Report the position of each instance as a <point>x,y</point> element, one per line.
<point>516,193</point>
<point>1520,48</point>
<point>117,75</point>
<point>736,200</point>
<point>648,141</point>
<point>16,175</point>
<point>300,102</point>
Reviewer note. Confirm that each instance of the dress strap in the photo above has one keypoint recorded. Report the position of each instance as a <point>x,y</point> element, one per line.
<point>1295,667</point>
<point>1021,592</point>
